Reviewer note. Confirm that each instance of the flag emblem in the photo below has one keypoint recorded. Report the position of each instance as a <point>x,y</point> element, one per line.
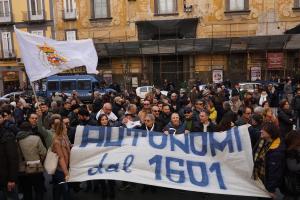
<point>50,56</point>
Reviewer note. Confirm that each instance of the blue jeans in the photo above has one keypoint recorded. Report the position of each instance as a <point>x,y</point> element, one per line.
<point>60,189</point>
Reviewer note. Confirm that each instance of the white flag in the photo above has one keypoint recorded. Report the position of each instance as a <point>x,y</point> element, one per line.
<point>44,57</point>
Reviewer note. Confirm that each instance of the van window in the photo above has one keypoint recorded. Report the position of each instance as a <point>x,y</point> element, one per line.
<point>53,85</point>
<point>84,85</point>
<point>68,85</point>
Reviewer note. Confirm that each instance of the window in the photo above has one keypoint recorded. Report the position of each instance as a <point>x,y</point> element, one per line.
<point>166,6</point>
<point>69,9</point>
<point>71,35</point>
<point>84,85</point>
<point>53,86</point>
<point>7,47</point>
<point>38,32</point>
<point>68,85</point>
<point>237,5</point>
<point>101,9</point>
<point>36,10</point>
<point>4,11</point>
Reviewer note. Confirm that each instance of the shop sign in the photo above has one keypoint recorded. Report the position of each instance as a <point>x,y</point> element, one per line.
<point>77,70</point>
<point>275,60</point>
<point>255,73</point>
<point>10,76</point>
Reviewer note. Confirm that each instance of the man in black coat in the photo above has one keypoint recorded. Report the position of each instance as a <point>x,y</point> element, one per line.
<point>9,162</point>
<point>204,124</point>
<point>85,119</point>
<point>165,115</point>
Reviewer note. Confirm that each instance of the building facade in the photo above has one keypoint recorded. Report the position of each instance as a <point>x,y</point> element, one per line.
<point>147,41</point>
<point>34,16</point>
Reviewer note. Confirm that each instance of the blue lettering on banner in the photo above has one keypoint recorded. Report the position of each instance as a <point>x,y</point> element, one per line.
<point>202,137</point>
<point>214,144</point>
<point>118,142</point>
<point>205,181</point>
<point>184,146</point>
<point>115,167</point>
<point>180,175</point>
<point>163,142</point>
<point>86,139</point>
<point>173,172</point>
<point>136,135</point>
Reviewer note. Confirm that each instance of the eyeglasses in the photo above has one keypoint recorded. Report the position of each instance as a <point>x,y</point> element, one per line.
<point>155,110</point>
<point>147,120</point>
<point>187,112</point>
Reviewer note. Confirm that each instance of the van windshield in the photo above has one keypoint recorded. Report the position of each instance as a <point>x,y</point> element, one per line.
<point>68,85</point>
<point>84,85</point>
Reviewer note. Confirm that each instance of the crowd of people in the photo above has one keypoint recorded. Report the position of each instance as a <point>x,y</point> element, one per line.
<point>29,129</point>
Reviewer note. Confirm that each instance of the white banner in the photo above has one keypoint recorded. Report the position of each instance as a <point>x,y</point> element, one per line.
<point>219,163</point>
<point>44,57</point>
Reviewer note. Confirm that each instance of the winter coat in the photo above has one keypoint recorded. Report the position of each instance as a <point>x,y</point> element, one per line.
<point>213,114</point>
<point>275,164</point>
<point>47,135</point>
<point>164,119</point>
<point>179,130</point>
<point>296,103</point>
<point>31,146</point>
<point>198,127</point>
<point>285,118</point>
<point>9,157</point>
<point>274,100</point>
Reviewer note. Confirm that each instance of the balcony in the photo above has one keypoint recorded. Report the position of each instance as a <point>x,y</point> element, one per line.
<point>7,54</point>
<point>69,14</point>
<point>34,16</point>
<point>6,18</point>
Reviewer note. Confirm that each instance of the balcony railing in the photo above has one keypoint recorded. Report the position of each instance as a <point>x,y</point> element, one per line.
<point>7,54</point>
<point>34,15</point>
<point>69,14</point>
<point>6,17</point>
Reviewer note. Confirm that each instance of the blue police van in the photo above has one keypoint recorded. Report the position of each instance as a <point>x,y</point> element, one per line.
<point>85,85</point>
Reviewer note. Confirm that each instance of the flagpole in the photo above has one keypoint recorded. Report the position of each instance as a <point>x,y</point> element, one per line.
<point>34,93</point>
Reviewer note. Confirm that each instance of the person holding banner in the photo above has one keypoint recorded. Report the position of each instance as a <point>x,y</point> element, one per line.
<point>269,157</point>
<point>175,126</point>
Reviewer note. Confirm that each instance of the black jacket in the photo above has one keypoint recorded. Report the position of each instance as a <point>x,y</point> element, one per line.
<point>296,103</point>
<point>286,121</point>
<point>155,129</point>
<point>198,127</point>
<point>9,163</point>
<point>275,166</point>
<point>164,119</point>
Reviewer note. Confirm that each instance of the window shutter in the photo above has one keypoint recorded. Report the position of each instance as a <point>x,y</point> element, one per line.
<point>246,4</point>
<point>6,44</point>
<point>108,8</point>
<point>156,6</point>
<point>296,3</point>
<point>227,5</point>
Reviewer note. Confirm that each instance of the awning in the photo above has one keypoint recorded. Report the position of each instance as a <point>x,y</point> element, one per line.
<point>199,46</point>
<point>167,29</point>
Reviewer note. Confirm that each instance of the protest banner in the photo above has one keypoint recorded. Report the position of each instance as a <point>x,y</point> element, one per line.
<point>219,163</point>
<point>44,57</point>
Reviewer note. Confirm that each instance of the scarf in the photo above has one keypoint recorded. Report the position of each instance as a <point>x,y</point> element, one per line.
<point>259,169</point>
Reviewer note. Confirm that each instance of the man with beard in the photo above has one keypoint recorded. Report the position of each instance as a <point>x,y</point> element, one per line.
<point>165,115</point>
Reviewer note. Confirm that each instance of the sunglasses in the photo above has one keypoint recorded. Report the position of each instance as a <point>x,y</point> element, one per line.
<point>155,110</point>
